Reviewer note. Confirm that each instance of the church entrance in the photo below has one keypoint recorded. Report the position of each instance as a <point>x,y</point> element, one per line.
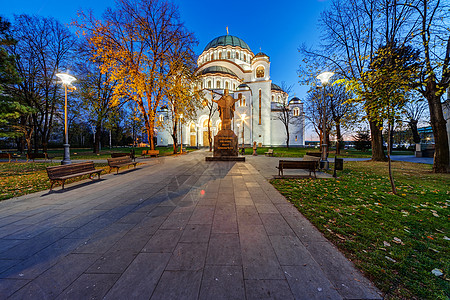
<point>193,141</point>
<point>205,139</point>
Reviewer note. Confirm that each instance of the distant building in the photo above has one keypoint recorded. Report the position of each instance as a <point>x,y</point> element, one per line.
<point>227,62</point>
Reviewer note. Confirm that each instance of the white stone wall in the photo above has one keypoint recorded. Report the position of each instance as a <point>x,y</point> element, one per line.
<point>271,131</point>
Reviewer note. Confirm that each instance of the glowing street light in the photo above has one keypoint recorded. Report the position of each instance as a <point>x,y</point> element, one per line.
<point>324,78</point>
<point>66,81</point>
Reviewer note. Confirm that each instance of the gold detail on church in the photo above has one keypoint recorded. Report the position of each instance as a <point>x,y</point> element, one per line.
<point>260,72</point>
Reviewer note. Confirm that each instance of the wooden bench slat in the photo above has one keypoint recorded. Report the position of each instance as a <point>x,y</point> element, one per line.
<point>269,152</point>
<point>118,162</point>
<point>150,153</point>
<point>64,172</point>
<point>310,165</point>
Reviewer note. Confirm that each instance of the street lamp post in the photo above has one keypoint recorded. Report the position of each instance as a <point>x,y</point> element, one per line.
<point>181,133</point>
<point>66,81</point>
<point>324,78</point>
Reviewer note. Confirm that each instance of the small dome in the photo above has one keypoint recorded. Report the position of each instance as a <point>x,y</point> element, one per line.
<point>295,100</point>
<point>243,87</point>
<point>261,54</point>
<point>217,69</point>
<point>276,88</point>
<point>227,40</point>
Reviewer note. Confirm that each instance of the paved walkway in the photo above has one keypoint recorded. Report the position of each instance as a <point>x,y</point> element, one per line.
<point>175,228</point>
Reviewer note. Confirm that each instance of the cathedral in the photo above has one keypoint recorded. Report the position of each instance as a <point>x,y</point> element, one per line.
<point>228,63</point>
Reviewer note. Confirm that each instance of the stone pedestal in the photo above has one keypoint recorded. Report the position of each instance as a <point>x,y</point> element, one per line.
<point>418,150</point>
<point>225,143</point>
<point>225,147</point>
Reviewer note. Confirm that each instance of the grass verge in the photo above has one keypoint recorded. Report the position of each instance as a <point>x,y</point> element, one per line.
<point>300,152</point>
<point>396,240</point>
<point>17,179</point>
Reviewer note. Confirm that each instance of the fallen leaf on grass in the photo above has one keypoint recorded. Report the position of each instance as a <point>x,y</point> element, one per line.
<point>390,259</point>
<point>340,236</point>
<point>397,241</point>
<point>437,272</point>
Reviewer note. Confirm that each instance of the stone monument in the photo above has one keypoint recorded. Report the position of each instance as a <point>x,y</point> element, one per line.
<point>226,141</point>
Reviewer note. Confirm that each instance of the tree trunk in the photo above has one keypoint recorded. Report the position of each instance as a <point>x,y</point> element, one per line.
<point>376,142</point>
<point>391,178</point>
<point>44,146</point>
<point>175,138</point>
<point>36,139</point>
<point>441,154</point>
<point>20,141</point>
<point>98,130</point>
<point>414,131</point>
<point>151,133</point>
<point>338,137</point>
<point>209,136</point>
<point>287,136</point>
<point>391,138</point>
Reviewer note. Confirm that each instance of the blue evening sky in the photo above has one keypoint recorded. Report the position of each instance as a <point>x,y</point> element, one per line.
<point>278,28</point>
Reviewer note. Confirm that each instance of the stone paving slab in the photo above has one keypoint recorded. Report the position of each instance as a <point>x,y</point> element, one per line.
<point>176,228</point>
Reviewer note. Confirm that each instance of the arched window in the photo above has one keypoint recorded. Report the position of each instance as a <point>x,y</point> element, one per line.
<point>260,72</point>
<point>243,101</point>
<point>273,98</point>
<point>240,101</point>
<point>259,107</point>
<point>218,84</point>
<point>212,56</point>
<point>192,127</point>
<point>237,55</point>
<point>220,55</point>
<point>227,85</point>
<point>296,112</point>
<point>228,54</point>
<point>245,57</point>
<point>209,84</point>
<point>161,118</point>
<point>279,99</point>
<point>205,123</point>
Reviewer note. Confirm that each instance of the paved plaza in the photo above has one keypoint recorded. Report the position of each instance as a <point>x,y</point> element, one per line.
<point>174,228</point>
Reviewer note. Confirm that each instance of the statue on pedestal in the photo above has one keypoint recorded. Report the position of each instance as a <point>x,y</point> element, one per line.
<point>226,109</point>
<point>225,142</point>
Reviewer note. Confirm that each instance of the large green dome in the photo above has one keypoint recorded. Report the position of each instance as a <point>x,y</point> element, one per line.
<point>227,40</point>
<point>217,69</point>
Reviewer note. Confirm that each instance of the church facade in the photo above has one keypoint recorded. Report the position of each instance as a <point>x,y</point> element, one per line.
<point>227,63</point>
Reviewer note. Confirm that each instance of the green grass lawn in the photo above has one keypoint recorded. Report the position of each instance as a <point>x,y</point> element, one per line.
<point>396,240</point>
<point>300,152</point>
<point>17,179</point>
<point>86,153</point>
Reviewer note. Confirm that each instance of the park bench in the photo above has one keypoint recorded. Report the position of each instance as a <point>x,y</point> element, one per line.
<point>33,156</point>
<point>63,172</point>
<point>310,165</point>
<point>9,156</point>
<point>315,154</point>
<point>154,153</point>
<point>118,162</point>
<point>122,154</point>
<point>269,152</point>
